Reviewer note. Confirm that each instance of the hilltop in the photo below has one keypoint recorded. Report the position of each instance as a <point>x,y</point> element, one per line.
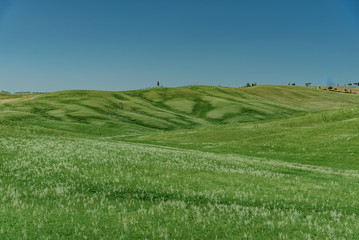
<point>161,109</point>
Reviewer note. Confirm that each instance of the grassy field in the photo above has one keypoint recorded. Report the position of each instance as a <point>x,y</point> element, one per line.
<point>324,138</point>
<point>265,162</point>
<point>169,108</point>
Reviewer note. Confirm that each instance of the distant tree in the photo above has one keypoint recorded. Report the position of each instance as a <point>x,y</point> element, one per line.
<point>330,88</point>
<point>356,84</point>
<point>293,84</point>
<point>308,84</point>
<point>328,82</point>
<point>248,84</point>
<point>349,84</point>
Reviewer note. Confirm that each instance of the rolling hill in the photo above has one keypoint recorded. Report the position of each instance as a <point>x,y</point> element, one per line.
<point>322,138</point>
<point>264,162</point>
<point>163,109</point>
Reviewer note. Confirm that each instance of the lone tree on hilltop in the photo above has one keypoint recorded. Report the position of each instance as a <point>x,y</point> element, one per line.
<point>349,84</point>
<point>308,84</point>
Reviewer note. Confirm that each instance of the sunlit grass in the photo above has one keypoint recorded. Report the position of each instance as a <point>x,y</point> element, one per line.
<point>104,165</point>
<point>57,187</point>
<point>171,108</point>
<point>326,138</point>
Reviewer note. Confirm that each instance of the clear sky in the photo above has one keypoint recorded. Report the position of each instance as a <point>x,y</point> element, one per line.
<point>50,45</point>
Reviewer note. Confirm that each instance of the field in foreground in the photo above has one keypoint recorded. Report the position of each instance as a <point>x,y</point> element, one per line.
<point>281,176</point>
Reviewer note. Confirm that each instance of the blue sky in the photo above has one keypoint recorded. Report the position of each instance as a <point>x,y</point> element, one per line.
<point>121,45</point>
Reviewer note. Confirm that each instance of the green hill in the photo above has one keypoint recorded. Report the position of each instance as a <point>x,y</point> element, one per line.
<point>324,138</point>
<point>265,162</point>
<point>141,111</point>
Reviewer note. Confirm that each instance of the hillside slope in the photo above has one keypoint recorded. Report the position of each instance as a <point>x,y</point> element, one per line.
<point>71,188</point>
<point>324,138</point>
<point>134,112</point>
<point>247,168</point>
<point>76,187</point>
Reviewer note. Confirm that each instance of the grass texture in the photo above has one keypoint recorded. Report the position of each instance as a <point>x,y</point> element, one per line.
<point>265,162</point>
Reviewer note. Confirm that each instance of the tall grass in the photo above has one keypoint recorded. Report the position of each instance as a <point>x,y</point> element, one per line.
<point>76,188</point>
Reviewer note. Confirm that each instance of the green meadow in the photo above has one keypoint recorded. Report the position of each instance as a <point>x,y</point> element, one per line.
<point>197,162</point>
